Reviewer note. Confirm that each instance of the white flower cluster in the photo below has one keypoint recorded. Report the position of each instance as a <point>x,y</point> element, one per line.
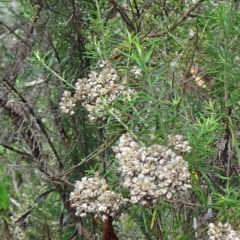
<point>137,73</point>
<point>222,232</point>
<point>19,231</point>
<point>67,103</point>
<point>177,142</point>
<point>97,91</point>
<point>91,196</point>
<point>151,172</point>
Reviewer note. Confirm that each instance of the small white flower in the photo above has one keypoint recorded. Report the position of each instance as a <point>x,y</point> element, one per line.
<point>169,195</point>
<point>82,214</point>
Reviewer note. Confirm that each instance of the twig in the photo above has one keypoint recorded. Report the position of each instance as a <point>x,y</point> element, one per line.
<point>179,21</point>
<point>15,150</point>
<point>38,121</point>
<point>94,154</point>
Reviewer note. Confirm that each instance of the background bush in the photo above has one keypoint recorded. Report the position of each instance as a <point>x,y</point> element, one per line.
<point>187,62</point>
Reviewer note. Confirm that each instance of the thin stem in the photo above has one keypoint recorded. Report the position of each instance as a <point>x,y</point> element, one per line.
<point>123,124</point>
<point>41,61</point>
<point>226,52</point>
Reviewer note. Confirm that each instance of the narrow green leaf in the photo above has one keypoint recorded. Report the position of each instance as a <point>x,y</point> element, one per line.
<point>154,216</point>
<point>4,198</point>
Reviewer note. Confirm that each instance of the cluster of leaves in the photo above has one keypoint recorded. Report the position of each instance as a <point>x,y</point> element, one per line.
<point>187,52</point>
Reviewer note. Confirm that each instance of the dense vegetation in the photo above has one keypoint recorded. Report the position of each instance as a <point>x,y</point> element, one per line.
<point>119,119</point>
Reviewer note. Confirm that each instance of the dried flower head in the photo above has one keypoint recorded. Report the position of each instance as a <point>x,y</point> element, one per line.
<point>91,195</point>
<point>137,73</point>
<point>97,91</point>
<point>19,231</point>
<point>177,142</point>
<point>222,232</point>
<point>67,103</point>
<point>151,172</point>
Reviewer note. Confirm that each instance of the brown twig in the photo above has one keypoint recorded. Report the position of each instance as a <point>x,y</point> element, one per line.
<point>123,14</point>
<point>25,48</point>
<point>107,230</point>
<point>38,121</point>
<point>175,25</point>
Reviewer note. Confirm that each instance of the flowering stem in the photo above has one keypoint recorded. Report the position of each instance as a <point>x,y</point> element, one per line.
<point>124,125</point>
<point>159,228</point>
<point>157,219</point>
<point>41,61</point>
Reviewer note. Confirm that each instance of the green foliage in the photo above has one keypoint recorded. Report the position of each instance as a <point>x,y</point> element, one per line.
<point>4,198</point>
<point>188,85</point>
